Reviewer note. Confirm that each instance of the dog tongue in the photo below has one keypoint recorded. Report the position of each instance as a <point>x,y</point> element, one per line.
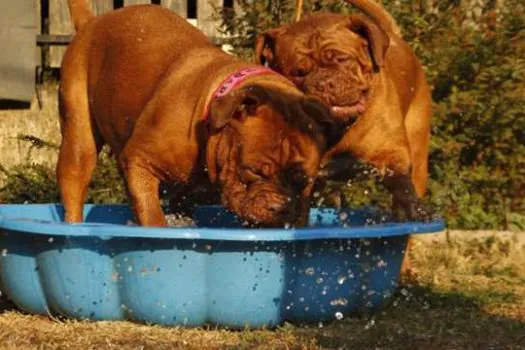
<point>347,112</point>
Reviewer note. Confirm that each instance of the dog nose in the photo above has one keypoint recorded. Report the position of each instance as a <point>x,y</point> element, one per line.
<point>277,207</point>
<point>280,207</point>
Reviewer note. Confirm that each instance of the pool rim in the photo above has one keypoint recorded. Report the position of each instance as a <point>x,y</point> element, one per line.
<point>109,231</point>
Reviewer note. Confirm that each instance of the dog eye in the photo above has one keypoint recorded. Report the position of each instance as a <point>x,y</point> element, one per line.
<point>248,176</point>
<point>299,73</point>
<point>329,54</point>
<point>298,179</point>
<point>342,59</point>
<point>335,56</point>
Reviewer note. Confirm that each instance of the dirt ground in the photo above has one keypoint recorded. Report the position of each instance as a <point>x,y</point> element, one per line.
<point>469,294</point>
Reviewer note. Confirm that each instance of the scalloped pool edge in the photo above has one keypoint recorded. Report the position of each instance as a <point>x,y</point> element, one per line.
<point>193,282</point>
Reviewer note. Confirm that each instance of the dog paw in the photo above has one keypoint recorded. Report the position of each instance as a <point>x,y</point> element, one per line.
<point>408,276</point>
<point>415,210</point>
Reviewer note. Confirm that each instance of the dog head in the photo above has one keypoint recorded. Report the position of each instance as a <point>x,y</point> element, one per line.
<point>328,56</point>
<point>264,151</point>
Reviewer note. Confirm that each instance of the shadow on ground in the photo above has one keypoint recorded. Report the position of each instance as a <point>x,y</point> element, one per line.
<point>422,318</point>
<point>418,318</point>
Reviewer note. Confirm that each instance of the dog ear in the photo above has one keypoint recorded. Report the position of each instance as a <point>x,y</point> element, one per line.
<point>331,129</point>
<point>378,40</point>
<point>265,45</point>
<point>224,108</point>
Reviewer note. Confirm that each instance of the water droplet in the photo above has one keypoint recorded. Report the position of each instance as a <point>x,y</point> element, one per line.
<point>381,263</point>
<point>130,268</point>
<point>287,225</point>
<point>319,280</point>
<point>341,279</point>
<point>208,247</point>
<point>51,239</point>
<point>370,324</point>
<point>309,271</point>
<point>321,325</point>
<point>339,315</point>
<point>339,301</point>
<point>343,216</point>
<point>4,252</point>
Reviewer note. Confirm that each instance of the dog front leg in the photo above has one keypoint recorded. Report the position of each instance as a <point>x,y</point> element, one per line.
<point>143,188</point>
<point>406,204</point>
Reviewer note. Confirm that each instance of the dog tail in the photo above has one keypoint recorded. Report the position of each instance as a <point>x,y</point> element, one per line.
<point>80,12</point>
<point>378,14</point>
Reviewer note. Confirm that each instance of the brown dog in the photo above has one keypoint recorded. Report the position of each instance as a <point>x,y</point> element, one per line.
<point>171,106</point>
<point>375,87</point>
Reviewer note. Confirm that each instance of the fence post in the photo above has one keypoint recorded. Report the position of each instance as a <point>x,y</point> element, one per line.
<point>180,7</point>
<point>38,21</point>
<point>60,24</point>
<point>205,21</point>
<point>136,2</point>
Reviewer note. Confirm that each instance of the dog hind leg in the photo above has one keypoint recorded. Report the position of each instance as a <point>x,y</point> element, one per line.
<point>79,149</point>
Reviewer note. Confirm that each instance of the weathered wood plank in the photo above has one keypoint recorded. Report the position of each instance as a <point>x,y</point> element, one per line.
<point>136,2</point>
<point>38,23</point>
<point>101,6</point>
<point>179,6</point>
<point>205,16</point>
<point>60,24</point>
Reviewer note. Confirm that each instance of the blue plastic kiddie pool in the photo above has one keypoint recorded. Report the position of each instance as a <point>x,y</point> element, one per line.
<point>216,273</point>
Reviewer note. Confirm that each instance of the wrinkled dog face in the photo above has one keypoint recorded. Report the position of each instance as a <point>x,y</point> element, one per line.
<point>264,164</point>
<point>330,57</point>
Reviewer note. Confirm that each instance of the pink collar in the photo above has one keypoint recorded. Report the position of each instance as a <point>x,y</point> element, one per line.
<point>233,80</point>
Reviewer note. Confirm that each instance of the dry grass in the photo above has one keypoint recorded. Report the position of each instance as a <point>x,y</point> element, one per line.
<point>470,294</point>
<point>41,122</point>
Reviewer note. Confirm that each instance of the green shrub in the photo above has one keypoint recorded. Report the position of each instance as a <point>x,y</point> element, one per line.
<point>477,73</point>
<point>36,183</point>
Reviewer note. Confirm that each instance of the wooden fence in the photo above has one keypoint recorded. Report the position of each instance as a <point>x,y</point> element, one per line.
<point>56,29</point>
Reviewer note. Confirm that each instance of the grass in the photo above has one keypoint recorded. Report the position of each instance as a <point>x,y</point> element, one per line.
<point>39,119</point>
<point>469,294</point>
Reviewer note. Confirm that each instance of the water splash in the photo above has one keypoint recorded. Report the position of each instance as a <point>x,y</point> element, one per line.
<point>309,271</point>
<point>339,301</point>
<point>370,324</point>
